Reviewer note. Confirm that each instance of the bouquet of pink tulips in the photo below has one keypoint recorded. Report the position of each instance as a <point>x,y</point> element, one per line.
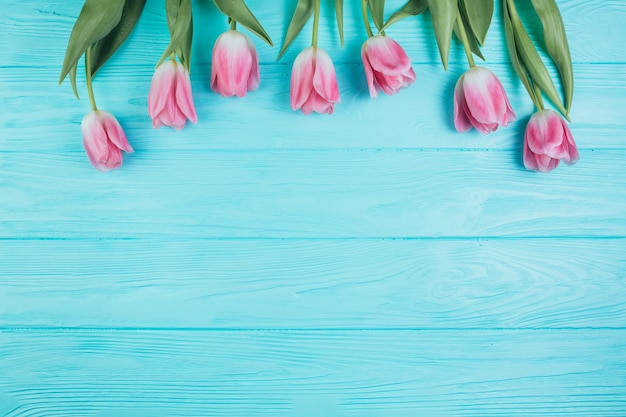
<point>480,100</point>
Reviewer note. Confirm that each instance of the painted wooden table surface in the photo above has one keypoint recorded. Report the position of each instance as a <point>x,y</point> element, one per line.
<point>265,263</point>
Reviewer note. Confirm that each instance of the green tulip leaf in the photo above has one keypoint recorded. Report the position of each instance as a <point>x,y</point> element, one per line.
<point>443,14</point>
<point>239,12</point>
<point>95,21</point>
<point>103,49</point>
<point>410,8</point>
<point>518,64</point>
<point>339,13</point>
<point>377,9</point>
<point>556,44</point>
<point>303,12</point>
<point>180,23</point>
<point>479,14</point>
<point>471,38</point>
<point>73,80</point>
<point>535,66</point>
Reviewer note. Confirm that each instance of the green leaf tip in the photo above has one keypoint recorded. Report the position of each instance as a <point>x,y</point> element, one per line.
<point>443,14</point>
<point>95,21</point>
<point>239,12</point>
<point>301,15</point>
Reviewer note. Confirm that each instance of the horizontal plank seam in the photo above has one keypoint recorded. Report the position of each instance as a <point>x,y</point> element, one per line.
<point>322,239</point>
<point>78,329</point>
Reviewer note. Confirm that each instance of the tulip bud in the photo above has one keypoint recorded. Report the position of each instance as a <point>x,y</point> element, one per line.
<point>386,64</point>
<point>314,82</point>
<point>170,101</point>
<point>104,140</point>
<point>480,101</point>
<point>234,65</point>
<point>547,141</point>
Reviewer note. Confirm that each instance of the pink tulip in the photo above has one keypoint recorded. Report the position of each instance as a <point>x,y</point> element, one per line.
<point>386,64</point>
<point>235,65</point>
<point>314,82</point>
<point>104,140</point>
<point>547,141</point>
<point>170,102</point>
<point>480,101</point>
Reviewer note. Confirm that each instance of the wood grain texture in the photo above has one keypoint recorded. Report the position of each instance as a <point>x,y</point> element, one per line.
<point>419,117</point>
<point>334,284</point>
<point>373,263</point>
<point>282,194</point>
<point>145,373</point>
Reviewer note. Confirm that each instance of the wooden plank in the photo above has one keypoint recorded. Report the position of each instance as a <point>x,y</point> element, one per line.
<point>285,194</point>
<point>22,40</point>
<point>528,283</point>
<point>40,116</point>
<point>369,374</point>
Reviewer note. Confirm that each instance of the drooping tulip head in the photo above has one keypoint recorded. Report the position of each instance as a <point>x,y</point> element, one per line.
<point>314,82</point>
<point>481,102</point>
<point>234,65</point>
<point>547,141</point>
<point>170,101</point>
<point>104,140</point>
<point>387,66</point>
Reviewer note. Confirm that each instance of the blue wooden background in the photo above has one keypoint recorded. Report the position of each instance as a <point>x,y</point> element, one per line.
<point>263,263</point>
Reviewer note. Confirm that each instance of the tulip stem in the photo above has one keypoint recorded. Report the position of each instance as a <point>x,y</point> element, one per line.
<point>468,51</point>
<point>233,24</point>
<point>537,98</point>
<point>88,77</point>
<point>366,20</point>
<point>316,22</point>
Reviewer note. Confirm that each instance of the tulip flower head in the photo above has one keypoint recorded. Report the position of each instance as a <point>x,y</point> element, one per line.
<point>314,82</point>
<point>387,66</point>
<point>170,101</point>
<point>104,140</point>
<point>235,65</point>
<point>481,102</point>
<point>547,141</point>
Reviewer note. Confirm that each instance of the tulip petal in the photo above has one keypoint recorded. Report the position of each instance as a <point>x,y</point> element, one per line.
<point>484,95</point>
<point>230,65</point>
<point>461,122</point>
<point>184,97</point>
<point>307,106</point>
<point>162,83</point>
<point>545,163</point>
<point>254,78</point>
<point>572,155</point>
<point>324,77</point>
<point>549,140</point>
<point>94,138</point>
<point>369,74</point>
<point>302,78</point>
<point>387,56</point>
<point>481,127</point>
<point>114,158</point>
<point>115,132</point>
<point>320,104</point>
<point>509,115</point>
<point>530,161</point>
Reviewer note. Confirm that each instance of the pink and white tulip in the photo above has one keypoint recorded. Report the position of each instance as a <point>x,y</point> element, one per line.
<point>481,102</point>
<point>170,101</point>
<point>387,66</point>
<point>104,140</point>
<point>314,82</point>
<point>547,141</point>
<point>235,65</point>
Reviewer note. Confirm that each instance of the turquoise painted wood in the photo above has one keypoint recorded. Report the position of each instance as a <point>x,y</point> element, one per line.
<point>263,263</point>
